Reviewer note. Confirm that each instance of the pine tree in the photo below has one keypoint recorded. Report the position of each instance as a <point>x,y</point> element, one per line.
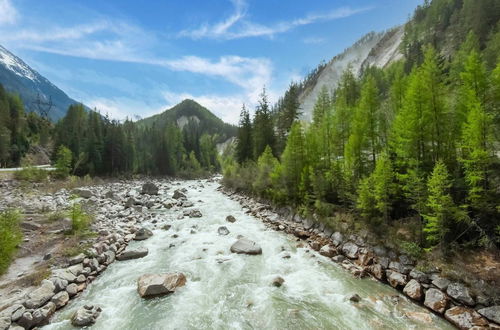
<point>293,162</point>
<point>263,126</point>
<point>265,166</point>
<point>244,147</point>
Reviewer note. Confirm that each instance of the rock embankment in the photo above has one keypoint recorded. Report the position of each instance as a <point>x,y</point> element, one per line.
<point>452,300</point>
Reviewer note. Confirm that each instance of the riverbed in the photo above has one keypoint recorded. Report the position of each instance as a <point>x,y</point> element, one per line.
<point>233,291</point>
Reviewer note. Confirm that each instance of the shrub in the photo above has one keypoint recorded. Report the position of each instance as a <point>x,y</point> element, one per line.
<point>80,220</point>
<point>31,174</point>
<point>412,249</point>
<point>10,237</point>
<point>63,162</point>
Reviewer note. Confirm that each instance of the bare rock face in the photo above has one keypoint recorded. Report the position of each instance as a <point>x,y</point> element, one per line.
<point>436,300</point>
<point>149,188</point>
<point>350,250</point>
<point>491,313</point>
<point>465,318</point>
<point>132,254</point>
<point>152,285</point>
<point>85,316</point>
<point>143,234</point>
<point>40,296</point>
<point>461,293</point>
<point>413,290</point>
<point>246,246</point>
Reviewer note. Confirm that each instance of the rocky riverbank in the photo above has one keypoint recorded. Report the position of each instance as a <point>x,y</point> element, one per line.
<point>449,299</point>
<point>119,209</point>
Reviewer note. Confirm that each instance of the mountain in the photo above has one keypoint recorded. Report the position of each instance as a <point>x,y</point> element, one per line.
<point>374,49</point>
<point>18,77</point>
<point>189,111</point>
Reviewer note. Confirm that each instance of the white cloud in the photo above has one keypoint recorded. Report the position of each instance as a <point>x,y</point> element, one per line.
<point>123,107</point>
<point>8,14</point>
<point>236,26</point>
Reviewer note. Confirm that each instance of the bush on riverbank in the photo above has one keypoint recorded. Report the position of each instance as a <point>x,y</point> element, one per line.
<point>10,237</point>
<point>80,220</point>
<point>31,174</point>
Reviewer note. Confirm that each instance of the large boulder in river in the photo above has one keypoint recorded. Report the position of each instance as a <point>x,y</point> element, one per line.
<point>396,279</point>
<point>413,290</point>
<point>246,246</point>
<point>152,285</point>
<point>143,234</point>
<point>40,296</point>
<point>465,318</point>
<point>230,218</point>
<point>459,292</point>
<point>436,300</point>
<point>178,195</point>
<point>149,188</point>
<point>132,254</point>
<point>85,316</point>
<point>223,231</point>
<point>195,213</point>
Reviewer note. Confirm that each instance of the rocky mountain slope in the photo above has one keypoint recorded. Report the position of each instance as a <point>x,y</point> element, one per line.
<point>18,77</point>
<point>374,49</point>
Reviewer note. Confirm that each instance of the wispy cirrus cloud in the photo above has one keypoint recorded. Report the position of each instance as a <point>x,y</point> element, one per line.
<point>8,14</point>
<point>238,26</point>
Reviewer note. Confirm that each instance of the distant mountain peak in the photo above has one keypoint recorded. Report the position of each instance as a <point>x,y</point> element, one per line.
<point>18,77</point>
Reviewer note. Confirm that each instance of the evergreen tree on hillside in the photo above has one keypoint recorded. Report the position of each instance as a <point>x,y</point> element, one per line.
<point>244,147</point>
<point>263,126</point>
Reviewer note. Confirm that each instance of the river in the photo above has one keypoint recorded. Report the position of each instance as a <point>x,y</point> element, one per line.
<point>231,291</point>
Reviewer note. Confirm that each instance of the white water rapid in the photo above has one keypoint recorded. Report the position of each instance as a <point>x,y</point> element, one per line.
<point>232,291</point>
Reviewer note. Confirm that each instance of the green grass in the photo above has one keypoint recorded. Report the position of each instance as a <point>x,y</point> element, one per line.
<point>10,237</point>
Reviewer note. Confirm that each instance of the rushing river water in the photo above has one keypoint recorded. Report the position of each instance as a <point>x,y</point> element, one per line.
<point>230,291</point>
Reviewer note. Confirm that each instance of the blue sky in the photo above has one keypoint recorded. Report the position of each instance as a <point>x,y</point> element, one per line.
<point>137,58</point>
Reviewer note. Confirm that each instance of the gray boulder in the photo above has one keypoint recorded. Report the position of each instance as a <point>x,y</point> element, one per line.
<point>178,195</point>
<point>132,254</point>
<point>152,285</point>
<point>491,313</point>
<point>142,234</point>
<point>60,299</point>
<point>230,218</point>
<point>459,292</point>
<point>337,238</point>
<point>195,213</point>
<point>85,316</point>
<point>328,251</point>
<point>413,290</point>
<point>396,279</point>
<point>223,231</point>
<point>278,281</point>
<point>465,318</point>
<point>149,188</point>
<point>41,315</point>
<point>246,246</point>
<point>40,296</point>
<point>350,250</point>
<point>84,193</point>
<point>436,300</point>
<point>4,322</point>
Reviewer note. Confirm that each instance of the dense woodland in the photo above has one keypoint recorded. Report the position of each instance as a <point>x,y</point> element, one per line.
<point>101,146</point>
<point>417,140</point>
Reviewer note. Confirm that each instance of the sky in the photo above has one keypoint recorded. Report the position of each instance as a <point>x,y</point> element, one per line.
<point>131,58</point>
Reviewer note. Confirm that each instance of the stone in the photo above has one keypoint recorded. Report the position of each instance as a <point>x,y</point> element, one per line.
<point>195,213</point>
<point>60,299</point>
<point>72,289</point>
<point>76,259</point>
<point>246,246</point>
<point>441,283</point>
<point>40,296</point>
<point>4,322</point>
<point>460,293</point>
<point>338,258</point>
<point>413,290</point>
<point>17,313</point>
<point>278,281</point>
<point>84,193</point>
<point>132,254</point>
<point>419,276</point>
<point>41,315</point>
<point>223,231</point>
<point>350,250</point>
<point>64,274</point>
<point>178,195</point>
<point>491,313</point>
<point>109,257</point>
<point>59,284</point>
<point>355,298</point>
<point>28,225</point>
<point>337,238</point>
<point>26,321</point>
<point>436,300</point>
<point>377,271</point>
<point>328,251</point>
<point>85,316</point>
<point>81,278</point>
<point>143,234</point>
<point>396,279</point>
<point>465,318</point>
<point>149,188</point>
<point>230,218</point>
<point>152,285</point>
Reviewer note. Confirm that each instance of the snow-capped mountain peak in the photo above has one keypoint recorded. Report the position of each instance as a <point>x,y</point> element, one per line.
<point>16,65</point>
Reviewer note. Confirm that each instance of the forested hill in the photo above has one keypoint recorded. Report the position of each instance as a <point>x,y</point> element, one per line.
<point>193,116</point>
<point>19,78</point>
